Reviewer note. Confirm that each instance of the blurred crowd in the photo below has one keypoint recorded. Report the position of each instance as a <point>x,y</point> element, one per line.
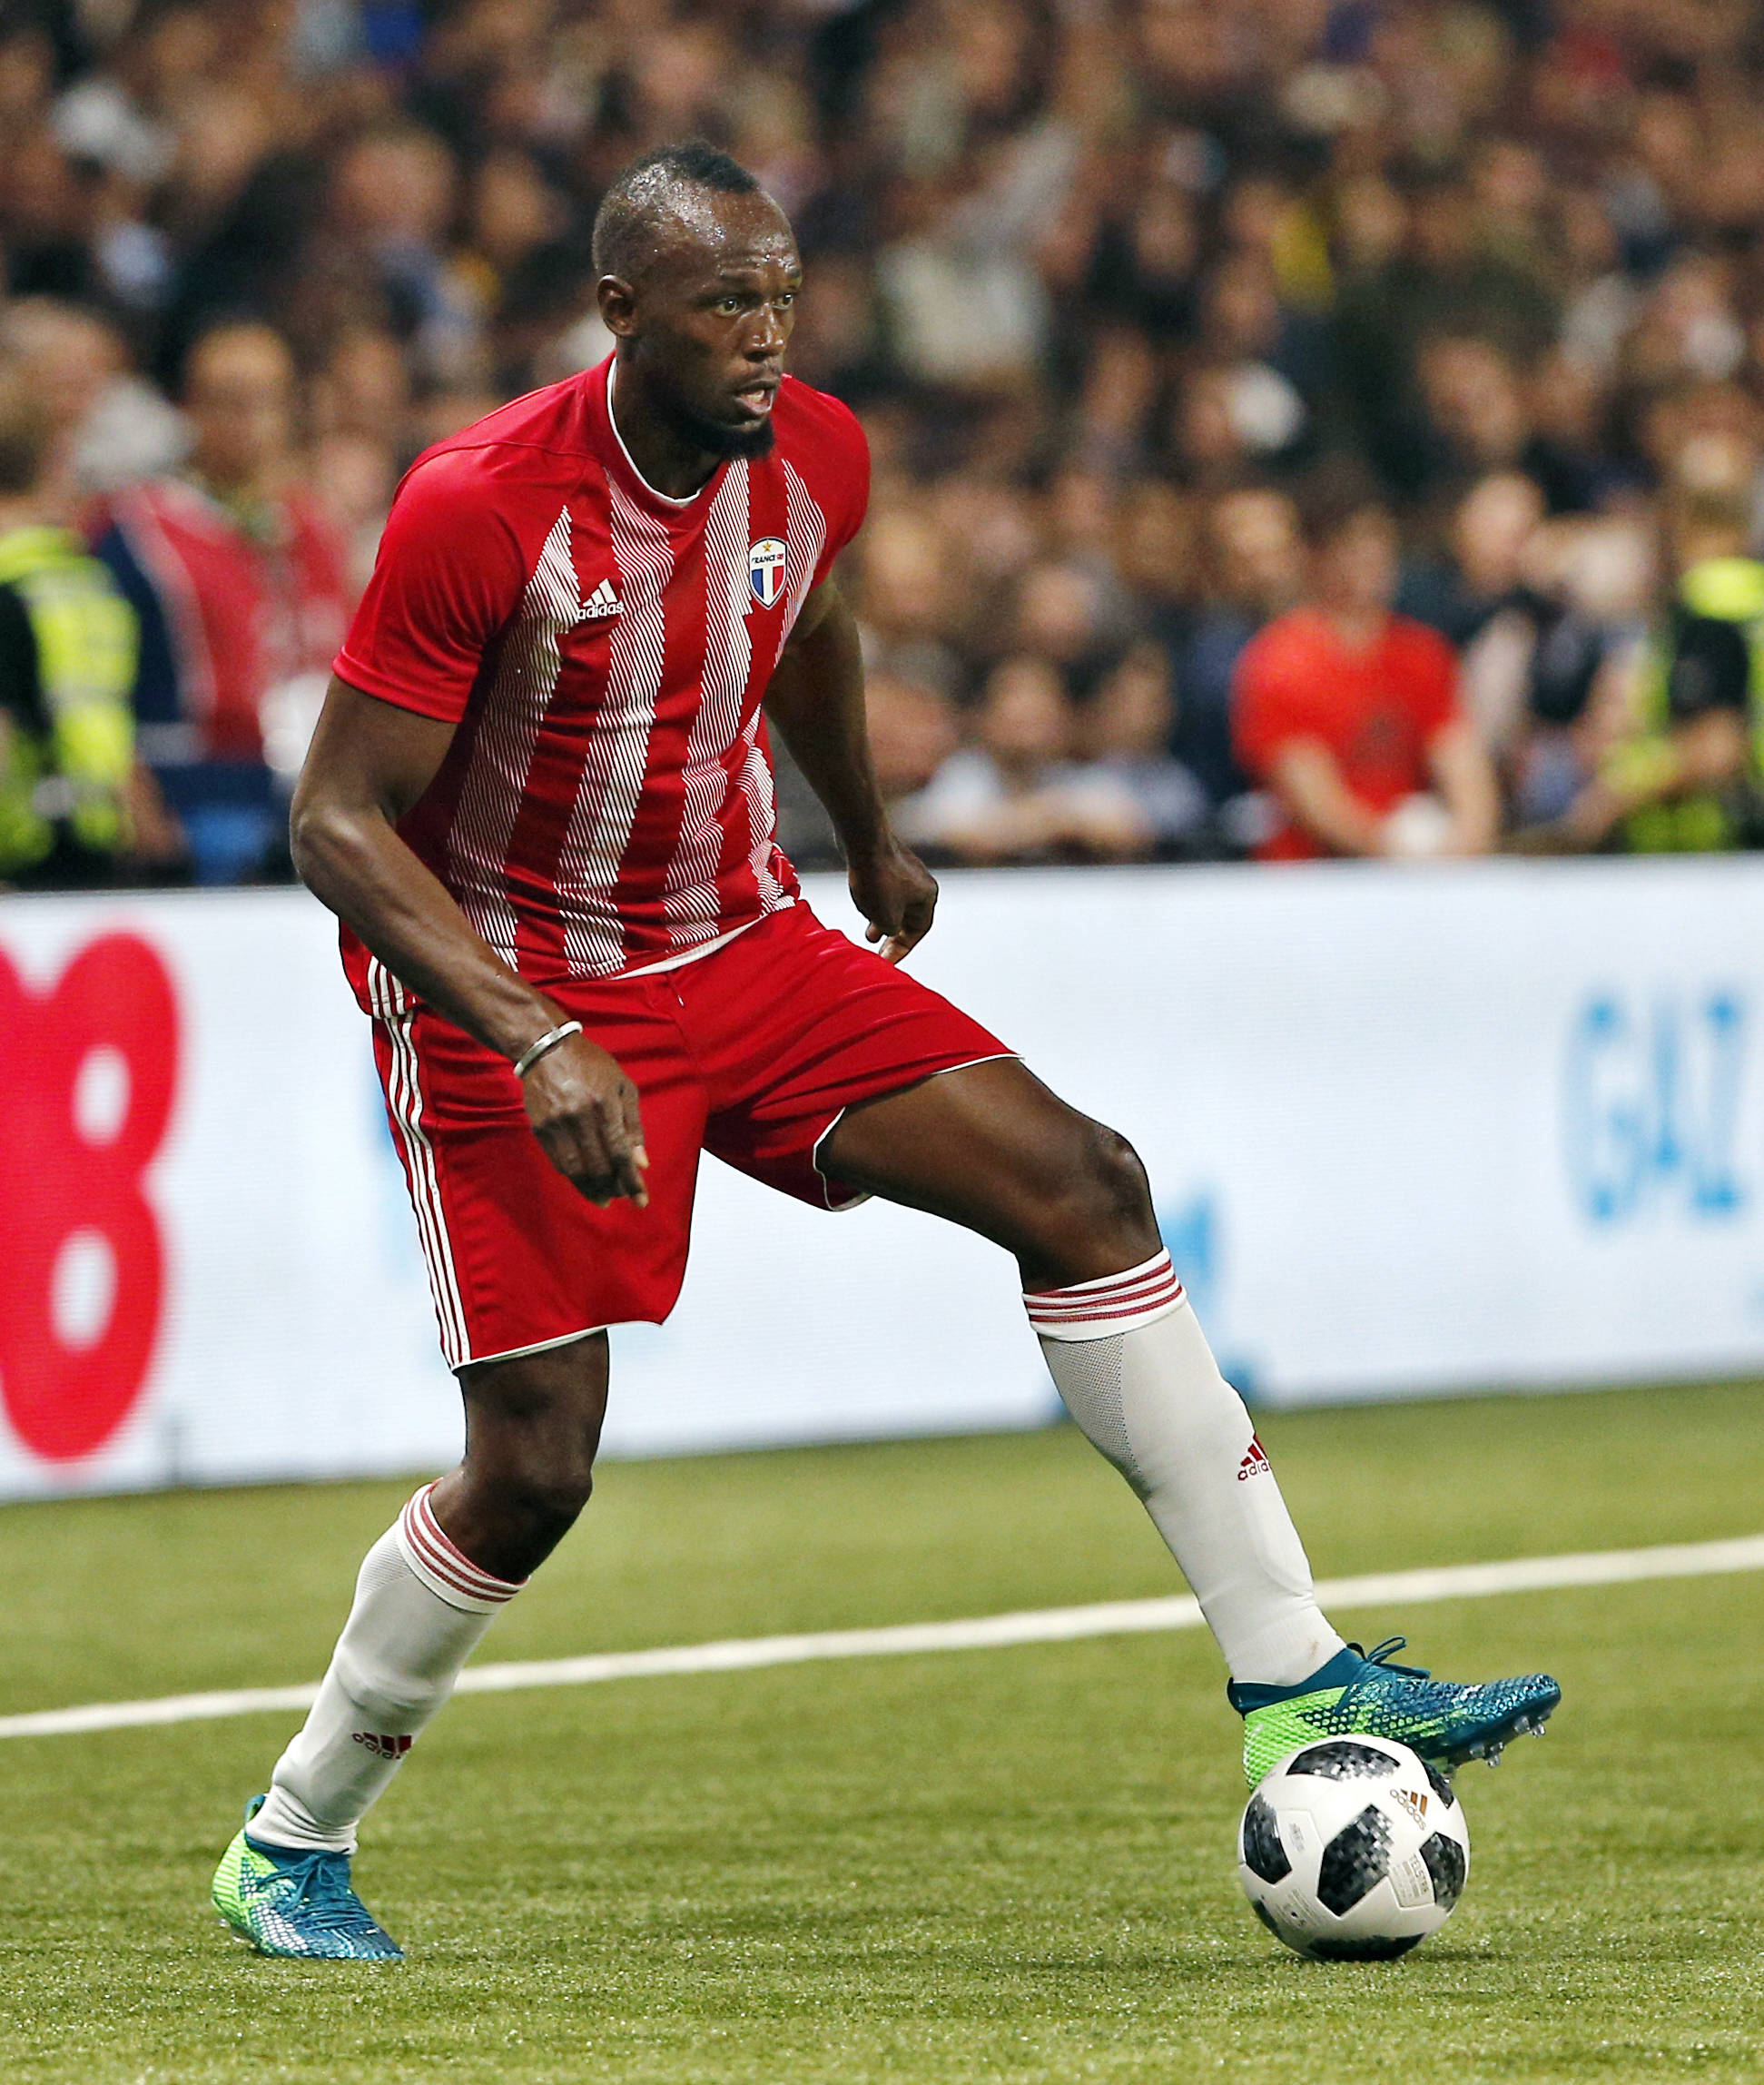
<point>1300,428</point>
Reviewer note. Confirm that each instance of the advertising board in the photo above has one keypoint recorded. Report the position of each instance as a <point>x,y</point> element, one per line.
<point>1493,1124</point>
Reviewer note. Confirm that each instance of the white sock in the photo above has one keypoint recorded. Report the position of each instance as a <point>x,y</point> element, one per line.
<point>1137,1374</point>
<point>420,1607</point>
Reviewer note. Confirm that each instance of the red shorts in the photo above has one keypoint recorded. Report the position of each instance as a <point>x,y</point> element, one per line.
<point>751,1054</point>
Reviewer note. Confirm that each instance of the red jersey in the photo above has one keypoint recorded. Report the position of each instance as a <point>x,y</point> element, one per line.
<point>606,803</point>
<point>245,606</point>
<point>1378,710</point>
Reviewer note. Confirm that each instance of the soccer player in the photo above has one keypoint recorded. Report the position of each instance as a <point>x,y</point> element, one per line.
<point>539,798</point>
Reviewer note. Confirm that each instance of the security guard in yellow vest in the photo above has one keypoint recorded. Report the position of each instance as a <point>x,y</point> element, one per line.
<point>68,643</point>
<point>1688,777</point>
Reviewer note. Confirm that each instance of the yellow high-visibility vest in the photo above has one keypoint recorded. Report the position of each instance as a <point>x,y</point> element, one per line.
<point>74,771</point>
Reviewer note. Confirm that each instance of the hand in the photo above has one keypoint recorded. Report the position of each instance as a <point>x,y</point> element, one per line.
<point>584,1111</point>
<point>897,894</point>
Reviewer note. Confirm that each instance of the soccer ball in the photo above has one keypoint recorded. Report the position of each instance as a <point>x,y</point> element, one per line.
<point>1353,1850</point>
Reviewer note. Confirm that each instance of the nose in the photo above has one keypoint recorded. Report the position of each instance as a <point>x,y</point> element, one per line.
<point>766,342</point>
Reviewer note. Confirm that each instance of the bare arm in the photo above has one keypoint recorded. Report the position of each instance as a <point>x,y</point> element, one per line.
<point>816,703</point>
<point>370,762</point>
<point>1708,752</point>
<point>1310,784</point>
<point>1465,776</point>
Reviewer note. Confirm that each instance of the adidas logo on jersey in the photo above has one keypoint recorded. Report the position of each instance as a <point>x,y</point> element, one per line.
<point>601,603</point>
<point>1256,1463</point>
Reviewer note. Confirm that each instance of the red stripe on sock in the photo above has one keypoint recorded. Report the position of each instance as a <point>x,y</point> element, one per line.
<point>437,1562</point>
<point>1063,1304</point>
<point>1127,1284</point>
<point>429,1540</point>
<point>1115,1316</point>
<point>1089,1306</point>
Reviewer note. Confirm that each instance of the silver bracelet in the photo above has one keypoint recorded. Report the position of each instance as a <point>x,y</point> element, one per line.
<point>530,1056</point>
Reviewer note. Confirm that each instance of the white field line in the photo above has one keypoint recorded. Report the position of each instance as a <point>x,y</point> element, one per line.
<point>979,1633</point>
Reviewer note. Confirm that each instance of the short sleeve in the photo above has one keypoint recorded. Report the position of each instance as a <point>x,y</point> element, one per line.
<point>448,577</point>
<point>832,453</point>
<point>853,478</point>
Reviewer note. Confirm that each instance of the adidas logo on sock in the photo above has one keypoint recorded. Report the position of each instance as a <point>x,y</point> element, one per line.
<point>387,1747</point>
<point>602,602</point>
<point>1256,1463</point>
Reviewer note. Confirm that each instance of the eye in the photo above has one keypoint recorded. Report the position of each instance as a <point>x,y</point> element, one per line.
<point>728,306</point>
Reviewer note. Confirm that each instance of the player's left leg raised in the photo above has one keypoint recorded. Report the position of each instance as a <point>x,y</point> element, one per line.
<point>990,1147</point>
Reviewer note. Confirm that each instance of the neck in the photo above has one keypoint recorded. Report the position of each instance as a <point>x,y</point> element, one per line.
<point>1357,628</point>
<point>1017,771</point>
<point>666,458</point>
<point>21,510</point>
<point>235,488</point>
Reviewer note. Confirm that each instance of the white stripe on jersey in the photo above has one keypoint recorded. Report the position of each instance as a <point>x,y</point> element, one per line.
<point>689,891</point>
<point>618,747</point>
<point>502,752</point>
<point>404,1092</point>
<point>805,531</point>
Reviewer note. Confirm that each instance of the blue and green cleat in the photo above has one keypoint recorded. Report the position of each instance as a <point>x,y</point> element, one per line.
<point>287,1902</point>
<point>1365,1694</point>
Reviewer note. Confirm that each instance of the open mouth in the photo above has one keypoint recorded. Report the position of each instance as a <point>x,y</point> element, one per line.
<point>758,399</point>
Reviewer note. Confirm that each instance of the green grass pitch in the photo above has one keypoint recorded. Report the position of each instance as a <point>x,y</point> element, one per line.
<point>1002,1865</point>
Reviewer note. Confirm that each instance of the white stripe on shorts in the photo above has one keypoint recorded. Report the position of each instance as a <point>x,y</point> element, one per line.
<point>404,1092</point>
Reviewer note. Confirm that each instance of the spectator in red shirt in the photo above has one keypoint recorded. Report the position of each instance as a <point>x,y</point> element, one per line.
<point>1349,714</point>
<point>241,583</point>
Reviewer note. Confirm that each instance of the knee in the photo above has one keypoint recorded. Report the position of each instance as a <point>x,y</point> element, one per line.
<point>1094,1215</point>
<point>1116,1178</point>
<point>527,1479</point>
<point>1105,1190</point>
<point>532,1432</point>
<point>542,1482</point>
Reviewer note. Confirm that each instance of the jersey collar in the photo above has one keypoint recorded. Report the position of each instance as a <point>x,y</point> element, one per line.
<point>663,502</point>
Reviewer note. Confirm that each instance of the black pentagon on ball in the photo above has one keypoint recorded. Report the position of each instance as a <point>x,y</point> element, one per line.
<point>1263,1855</point>
<point>1446,1865</point>
<point>1440,1785</point>
<point>1353,1861</point>
<point>1341,1760</point>
<point>1361,1950</point>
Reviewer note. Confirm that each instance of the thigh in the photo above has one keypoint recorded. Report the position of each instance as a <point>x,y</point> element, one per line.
<point>518,1258</point>
<point>988,1146</point>
<point>802,1026</point>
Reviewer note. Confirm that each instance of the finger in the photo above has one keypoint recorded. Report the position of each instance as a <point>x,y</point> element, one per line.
<point>622,1153</point>
<point>916,927</point>
<point>576,1154</point>
<point>873,932</point>
<point>633,1126</point>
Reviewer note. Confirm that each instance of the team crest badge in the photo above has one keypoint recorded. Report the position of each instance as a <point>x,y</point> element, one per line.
<point>765,571</point>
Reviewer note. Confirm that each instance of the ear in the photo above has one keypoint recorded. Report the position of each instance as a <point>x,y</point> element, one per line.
<point>617,300</point>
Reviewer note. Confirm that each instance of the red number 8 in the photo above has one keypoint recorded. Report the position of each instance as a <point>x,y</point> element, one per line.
<point>62,1182</point>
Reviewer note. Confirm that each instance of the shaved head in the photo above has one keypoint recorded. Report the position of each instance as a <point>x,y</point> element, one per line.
<point>699,277</point>
<point>668,191</point>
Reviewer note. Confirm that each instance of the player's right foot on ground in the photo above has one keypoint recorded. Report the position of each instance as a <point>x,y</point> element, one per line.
<point>1357,1694</point>
<point>287,1902</point>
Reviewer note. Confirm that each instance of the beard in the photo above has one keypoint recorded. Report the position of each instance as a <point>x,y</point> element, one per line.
<point>737,443</point>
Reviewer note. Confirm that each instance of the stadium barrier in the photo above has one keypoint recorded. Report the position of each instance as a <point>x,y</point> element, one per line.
<point>1460,1126</point>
